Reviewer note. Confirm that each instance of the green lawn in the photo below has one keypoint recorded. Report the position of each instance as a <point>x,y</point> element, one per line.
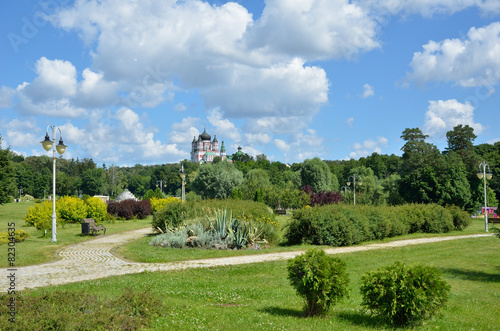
<point>259,297</point>
<point>37,248</point>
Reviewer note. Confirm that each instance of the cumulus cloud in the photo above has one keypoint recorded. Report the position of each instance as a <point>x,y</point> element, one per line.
<point>429,8</point>
<point>6,96</point>
<point>301,146</point>
<point>21,133</point>
<point>473,61</point>
<point>368,91</point>
<point>368,147</point>
<point>442,116</point>
<point>222,126</point>
<point>183,133</point>
<point>350,121</point>
<point>321,29</point>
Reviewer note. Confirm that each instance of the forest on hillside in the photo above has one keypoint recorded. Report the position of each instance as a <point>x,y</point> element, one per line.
<point>423,174</point>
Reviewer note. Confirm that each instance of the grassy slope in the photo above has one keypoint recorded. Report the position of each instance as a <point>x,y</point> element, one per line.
<point>258,296</point>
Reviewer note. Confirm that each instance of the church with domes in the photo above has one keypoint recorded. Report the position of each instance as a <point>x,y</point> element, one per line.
<point>204,149</point>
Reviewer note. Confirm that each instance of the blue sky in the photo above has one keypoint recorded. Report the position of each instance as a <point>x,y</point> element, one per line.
<point>132,82</point>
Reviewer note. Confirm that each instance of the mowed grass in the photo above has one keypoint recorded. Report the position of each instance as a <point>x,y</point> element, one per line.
<point>38,248</point>
<point>141,251</point>
<point>259,297</point>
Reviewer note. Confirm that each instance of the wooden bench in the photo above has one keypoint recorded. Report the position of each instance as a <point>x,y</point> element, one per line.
<point>494,220</point>
<point>92,226</point>
<point>280,211</point>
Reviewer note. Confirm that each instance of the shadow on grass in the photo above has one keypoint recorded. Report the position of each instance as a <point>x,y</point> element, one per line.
<point>358,318</point>
<point>473,275</point>
<point>284,312</point>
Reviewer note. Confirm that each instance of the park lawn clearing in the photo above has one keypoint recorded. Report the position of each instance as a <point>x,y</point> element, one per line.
<point>258,296</point>
<point>38,248</point>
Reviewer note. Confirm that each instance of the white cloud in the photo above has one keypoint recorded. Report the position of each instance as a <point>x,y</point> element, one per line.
<point>6,96</point>
<point>429,8</point>
<point>257,138</point>
<point>368,91</point>
<point>222,126</point>
<point>183,133</point>
<point>321,29</point>
<point>21,133</point>
<point>350,121</point>
<point>301,146</point>
<point>443,116</point>
<point>474,61</point>
<point>180,107</point>
<point>368,147</point>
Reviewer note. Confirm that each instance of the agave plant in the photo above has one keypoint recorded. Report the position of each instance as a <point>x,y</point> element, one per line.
<point>238,238</point>
<point>221,221</point>
<point>253,232</point>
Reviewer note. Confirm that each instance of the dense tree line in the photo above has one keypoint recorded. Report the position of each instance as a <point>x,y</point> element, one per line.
<point>423,174</point>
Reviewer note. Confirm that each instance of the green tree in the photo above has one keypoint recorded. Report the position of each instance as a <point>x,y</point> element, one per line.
<point>6,174</point>
<point>217,181</point>
<point>255,179</point>
<point>316,173</point>
<point>93,181</point>
<point>461,140</point>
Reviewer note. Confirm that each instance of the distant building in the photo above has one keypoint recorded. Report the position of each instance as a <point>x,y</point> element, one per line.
<point>204,149</point>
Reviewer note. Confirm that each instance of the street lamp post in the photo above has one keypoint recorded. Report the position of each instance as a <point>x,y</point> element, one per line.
<point>47,145</point>
<point>161,184</point>
<point>183,179</point>
<point>354,184</point>
<point>482,174</point>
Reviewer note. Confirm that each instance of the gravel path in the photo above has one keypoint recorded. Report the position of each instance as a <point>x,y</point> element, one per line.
<point>93,259</point>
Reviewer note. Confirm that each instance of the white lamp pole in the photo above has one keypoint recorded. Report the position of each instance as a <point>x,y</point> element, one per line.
<point>183,178</point>
<point>47,145</point>
<point>354,184</point>
<point>482,174</point>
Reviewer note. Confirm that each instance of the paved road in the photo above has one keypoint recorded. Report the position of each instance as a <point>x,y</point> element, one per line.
<point>93,259</point>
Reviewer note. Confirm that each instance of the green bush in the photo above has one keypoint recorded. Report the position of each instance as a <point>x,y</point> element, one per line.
<point>461,219</point>
<point>96,209</point>
<point>71,209</point>
<point>40,215</point>
<point>342,225</point>
<point>322,280</point>
<point>81,310</point>
<point>171,216</point>
<point>20,235</point>
<point>404,295</point>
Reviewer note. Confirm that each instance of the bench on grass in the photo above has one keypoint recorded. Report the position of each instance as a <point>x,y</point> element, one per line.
<point>92,226</point>
<point>280,211</point>
<point>494,220</point>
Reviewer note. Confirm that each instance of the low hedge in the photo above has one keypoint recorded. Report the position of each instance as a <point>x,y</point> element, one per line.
<point>343,225</point>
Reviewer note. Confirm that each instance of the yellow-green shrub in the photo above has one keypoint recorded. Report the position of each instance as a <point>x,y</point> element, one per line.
<point>96,209</point>
<point>40,215</point>
<point>157,204</point>
<point>71,209</point>
<point>20,235</point>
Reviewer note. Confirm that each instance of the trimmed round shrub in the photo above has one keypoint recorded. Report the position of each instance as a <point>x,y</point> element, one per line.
<point>404,295</point>
<point>40,215</point>
<point>96,209</point>
<point>71,209</point>
<point>321,279</point>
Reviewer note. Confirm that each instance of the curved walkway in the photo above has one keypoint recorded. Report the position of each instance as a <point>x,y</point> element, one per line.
<point>93,259</point>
